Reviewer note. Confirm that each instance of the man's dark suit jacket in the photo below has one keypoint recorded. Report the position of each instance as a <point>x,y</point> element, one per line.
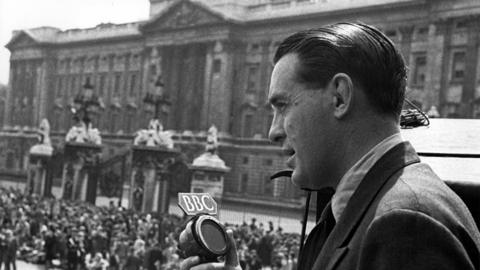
<point>402,216</point>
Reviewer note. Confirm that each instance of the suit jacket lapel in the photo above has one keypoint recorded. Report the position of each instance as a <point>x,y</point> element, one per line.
<point>395,159</point>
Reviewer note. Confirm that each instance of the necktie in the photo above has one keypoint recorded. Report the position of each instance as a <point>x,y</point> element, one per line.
<point>317,238</point>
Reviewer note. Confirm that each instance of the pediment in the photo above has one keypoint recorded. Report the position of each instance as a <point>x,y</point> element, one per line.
<point>20,40</point>
<point>185,14</point>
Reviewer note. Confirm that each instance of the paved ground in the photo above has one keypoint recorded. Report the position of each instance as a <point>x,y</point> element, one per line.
<point>27,266</point>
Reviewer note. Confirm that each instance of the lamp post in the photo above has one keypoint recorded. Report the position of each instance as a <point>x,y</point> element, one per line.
<point>158,101</point>
<point>85,103</point>
<point>82,148</point>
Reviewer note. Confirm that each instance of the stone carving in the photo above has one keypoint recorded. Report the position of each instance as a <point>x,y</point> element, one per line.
<point>155,67</point>
<point>187,15</point>
<point>44,131</point>
<point>210,158</point>
<point>82,134</point>
<point>154,136</point>
<point>212,140</point>
<point>44,146</point>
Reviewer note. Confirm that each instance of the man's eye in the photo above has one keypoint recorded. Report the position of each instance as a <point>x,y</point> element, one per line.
<point>281,105</point>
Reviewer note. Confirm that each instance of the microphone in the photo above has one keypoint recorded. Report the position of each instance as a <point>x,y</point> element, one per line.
<point>204,235</point>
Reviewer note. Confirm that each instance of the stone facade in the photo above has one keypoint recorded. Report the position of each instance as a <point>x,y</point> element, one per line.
<point>215,59</point>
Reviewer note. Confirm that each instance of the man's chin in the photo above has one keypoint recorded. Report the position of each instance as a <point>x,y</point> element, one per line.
<point>302,181</point>
<point>298,179</point>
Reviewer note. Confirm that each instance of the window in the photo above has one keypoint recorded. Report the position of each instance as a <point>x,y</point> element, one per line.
<point>153,72</point>
<point>461,24</point>
<point>113,121</point>
<point>73,84</point>
<point>217,65</point>
<point>116,85</point>
<point>267,162</point>
<point>422,31</point>
<point>88,79</point>
<point>268,186</point>
<point>57,120</point>
<point>458,66</point>
<point>243,183</point>
<point>101,85</point>
<point>252,77</point>
<point>10,160</point>
<point>245,160</point>
<point>59,92</point>
<point>247,126</point>
<point>419,70</point>
<point>129,123</point>
<point>133,81</point>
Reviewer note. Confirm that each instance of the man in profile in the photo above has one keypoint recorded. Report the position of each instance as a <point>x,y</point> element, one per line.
<point>337,93</point>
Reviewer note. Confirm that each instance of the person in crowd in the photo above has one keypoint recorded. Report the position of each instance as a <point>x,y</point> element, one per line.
<point>337,93</point>
<point>50,246</point>
<point>254,262</point>
<point>74,253</point>
<point>153,258</point>
<point>3,246</point>
<point>68,235</point>
<point>134,260</point>
<point>10,255</point>
<point>96,262</point>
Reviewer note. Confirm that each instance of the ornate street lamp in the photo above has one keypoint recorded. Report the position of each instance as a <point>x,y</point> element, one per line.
<point>158,101</point>
<point>85,104</point>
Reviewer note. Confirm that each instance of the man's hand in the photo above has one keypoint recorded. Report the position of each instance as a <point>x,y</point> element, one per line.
<point>231,259</point>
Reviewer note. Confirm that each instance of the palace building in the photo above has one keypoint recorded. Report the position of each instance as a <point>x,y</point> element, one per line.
<point>215,59</point>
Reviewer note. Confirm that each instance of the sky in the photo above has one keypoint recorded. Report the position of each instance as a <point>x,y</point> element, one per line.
<point>63,14</point>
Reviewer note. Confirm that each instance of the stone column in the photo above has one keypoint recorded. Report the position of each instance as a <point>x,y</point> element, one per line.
<point>434,66</point>
<point>468,93</point>
<point>149,189</point>
<point>162,191</point>
<point>9,98</point>
<point>444,33</point>
<point>406,41</point>
<point>222,84</point>
<point>78,178</point>
<point>207,93</point>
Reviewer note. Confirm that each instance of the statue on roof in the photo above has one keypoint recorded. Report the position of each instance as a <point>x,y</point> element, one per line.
<point>154,136</point>
<point>44,132</point>
<point>84,134</point>
<point>44,145</point>
<point>212,140</point>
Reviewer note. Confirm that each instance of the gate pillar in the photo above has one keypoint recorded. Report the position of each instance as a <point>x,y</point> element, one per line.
<point>153,154</point>
<point>39,163</point>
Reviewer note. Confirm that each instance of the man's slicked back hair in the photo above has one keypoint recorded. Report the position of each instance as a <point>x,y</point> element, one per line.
<point>359,50</point>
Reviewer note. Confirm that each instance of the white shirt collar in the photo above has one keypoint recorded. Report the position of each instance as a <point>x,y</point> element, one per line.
<point>354,176</point>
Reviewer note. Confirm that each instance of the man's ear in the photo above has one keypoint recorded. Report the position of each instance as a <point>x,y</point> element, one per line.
<point>342,87</point>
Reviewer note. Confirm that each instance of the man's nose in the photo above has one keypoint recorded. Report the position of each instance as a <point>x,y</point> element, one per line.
<point>276,133</point>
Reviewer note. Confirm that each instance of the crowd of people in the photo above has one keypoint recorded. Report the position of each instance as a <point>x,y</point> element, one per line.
<point>76,235</point>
